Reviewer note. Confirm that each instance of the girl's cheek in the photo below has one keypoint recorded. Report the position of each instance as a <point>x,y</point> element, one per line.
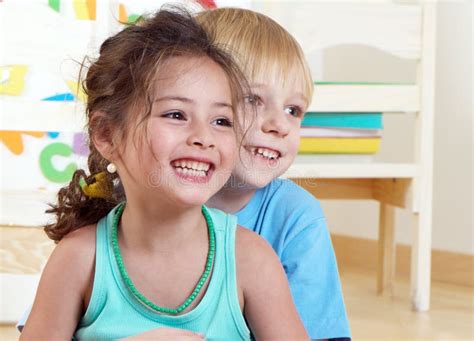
<point>230,148</point>
<point>229,144</point>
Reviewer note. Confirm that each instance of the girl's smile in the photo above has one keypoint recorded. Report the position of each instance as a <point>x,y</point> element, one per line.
<point>198,170</point>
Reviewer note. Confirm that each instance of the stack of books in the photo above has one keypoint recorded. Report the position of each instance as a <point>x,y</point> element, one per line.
<point>341,133</point>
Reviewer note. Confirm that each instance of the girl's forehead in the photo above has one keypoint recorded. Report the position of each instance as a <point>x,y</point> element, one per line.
<point>186,70</point>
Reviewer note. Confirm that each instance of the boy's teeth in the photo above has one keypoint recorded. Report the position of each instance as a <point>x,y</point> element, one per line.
<point>266,153</point>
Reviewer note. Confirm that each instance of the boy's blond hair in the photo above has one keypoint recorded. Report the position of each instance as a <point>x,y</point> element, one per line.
<point>262,48</point>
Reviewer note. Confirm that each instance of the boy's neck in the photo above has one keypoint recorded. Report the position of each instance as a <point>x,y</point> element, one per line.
<point>231,199</point>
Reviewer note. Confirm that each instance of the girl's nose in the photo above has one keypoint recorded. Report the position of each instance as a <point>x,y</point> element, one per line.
<point>201,137</point>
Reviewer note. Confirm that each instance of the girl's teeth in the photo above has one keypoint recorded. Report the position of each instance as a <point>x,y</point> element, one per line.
<point>192,168</point>
<point>191,172</point>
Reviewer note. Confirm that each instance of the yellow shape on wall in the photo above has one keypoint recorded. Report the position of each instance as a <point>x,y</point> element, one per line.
<point>12,79</point>
<point>85,9</point>
<point>14,141</point>
<point>122,14</point>
<point>124,18</point>
<point>77,90</point>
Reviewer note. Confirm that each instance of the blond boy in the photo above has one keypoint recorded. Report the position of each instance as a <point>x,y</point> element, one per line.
<point>286,215</point>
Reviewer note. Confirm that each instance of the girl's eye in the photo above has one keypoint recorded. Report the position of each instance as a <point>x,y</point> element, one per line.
<point>225,122</point>
<point>253,99</point>
<point>175,115</point>
<point>294,111</point>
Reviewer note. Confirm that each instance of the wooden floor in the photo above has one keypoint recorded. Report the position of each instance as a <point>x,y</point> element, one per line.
<point>375,317</point>
<point>389,317</point>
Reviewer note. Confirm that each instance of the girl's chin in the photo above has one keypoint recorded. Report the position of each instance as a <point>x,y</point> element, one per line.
<point>191,202</point>
<point>191,196</point>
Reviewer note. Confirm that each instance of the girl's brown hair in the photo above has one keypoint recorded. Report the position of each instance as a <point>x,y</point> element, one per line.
<point>119,86</point>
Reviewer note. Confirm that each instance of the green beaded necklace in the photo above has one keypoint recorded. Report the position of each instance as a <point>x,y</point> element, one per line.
<point>128,281</point>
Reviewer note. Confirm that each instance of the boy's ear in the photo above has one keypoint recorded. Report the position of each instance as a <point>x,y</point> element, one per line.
<point>101,134</point>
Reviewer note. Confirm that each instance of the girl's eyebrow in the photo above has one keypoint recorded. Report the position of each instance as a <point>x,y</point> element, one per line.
<point>189,100</point>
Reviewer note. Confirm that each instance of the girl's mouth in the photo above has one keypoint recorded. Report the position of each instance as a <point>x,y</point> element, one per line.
<point>193,170</point>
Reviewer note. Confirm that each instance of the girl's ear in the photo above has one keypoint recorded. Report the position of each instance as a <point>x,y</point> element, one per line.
<point>101,134</point>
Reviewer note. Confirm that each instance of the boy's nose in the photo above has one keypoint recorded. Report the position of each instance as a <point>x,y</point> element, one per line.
<point>275,122</point>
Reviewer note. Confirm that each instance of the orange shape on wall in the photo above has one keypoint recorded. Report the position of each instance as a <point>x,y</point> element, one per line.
<point>13,139</point>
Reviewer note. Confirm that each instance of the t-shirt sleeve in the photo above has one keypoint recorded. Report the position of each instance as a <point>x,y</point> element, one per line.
<point>310,264</point>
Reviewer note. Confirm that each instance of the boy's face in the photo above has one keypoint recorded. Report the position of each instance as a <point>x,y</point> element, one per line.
<point>273,136</point>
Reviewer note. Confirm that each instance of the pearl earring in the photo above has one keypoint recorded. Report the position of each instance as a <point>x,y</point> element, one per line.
<point>111,168</point>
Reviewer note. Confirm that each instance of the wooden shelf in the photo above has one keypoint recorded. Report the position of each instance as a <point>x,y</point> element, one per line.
<point>365,98</point>
<point>303,167</point>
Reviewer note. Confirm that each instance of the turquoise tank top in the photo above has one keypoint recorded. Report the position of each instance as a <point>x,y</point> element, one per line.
<point>114,312</point>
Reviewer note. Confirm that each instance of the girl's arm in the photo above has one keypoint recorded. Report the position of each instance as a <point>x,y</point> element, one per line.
<point>59,301</point>
<point>268,305</point>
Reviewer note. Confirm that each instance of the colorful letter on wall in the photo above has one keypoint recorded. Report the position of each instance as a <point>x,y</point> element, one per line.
<point>47,167</point>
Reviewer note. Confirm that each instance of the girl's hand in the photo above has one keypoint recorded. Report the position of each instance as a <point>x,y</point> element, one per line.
<point>173,334</point>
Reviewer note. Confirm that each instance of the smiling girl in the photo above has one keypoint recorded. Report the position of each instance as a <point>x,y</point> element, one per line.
<point>137,250</point>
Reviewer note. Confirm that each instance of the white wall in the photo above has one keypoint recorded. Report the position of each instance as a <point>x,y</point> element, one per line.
<point>453,168</point>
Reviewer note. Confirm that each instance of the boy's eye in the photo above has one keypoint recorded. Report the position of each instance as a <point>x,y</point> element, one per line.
<point>253,99</point>
<point>294,111</point>
<point>225,122</point>
<point>175,115</point>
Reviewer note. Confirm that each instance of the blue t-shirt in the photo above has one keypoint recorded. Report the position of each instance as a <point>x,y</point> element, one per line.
<point>292,221</point>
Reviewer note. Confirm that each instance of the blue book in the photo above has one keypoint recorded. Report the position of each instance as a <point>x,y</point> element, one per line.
<point>359,120</point>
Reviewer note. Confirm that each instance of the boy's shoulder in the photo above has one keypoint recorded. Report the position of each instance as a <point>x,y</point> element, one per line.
<point>286,195</point>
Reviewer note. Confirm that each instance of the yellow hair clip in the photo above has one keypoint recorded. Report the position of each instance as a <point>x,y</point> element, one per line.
<point>97,189</point>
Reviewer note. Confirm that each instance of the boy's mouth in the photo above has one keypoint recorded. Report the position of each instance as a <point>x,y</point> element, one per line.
<point>265,153</point>
<point>192,168</point>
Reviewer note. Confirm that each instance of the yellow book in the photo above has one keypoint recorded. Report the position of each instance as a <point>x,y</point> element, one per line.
<point>313,145</point>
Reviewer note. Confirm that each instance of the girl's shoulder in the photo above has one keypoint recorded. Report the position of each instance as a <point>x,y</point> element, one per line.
<point>63,287</point>
<point>247,240</point>
<point>252,253</point>
<point>75,257</point>
<point>79,244</point>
